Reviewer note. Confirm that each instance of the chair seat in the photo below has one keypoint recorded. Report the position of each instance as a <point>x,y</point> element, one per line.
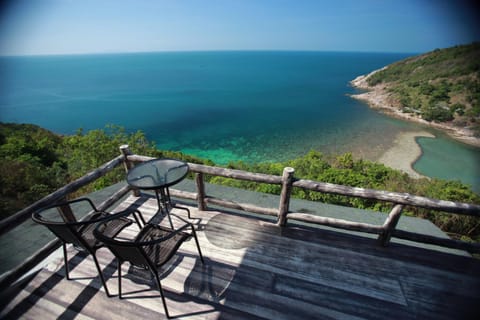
<point>160,252</point>
<point>153,246</point>
<point>113,227</point>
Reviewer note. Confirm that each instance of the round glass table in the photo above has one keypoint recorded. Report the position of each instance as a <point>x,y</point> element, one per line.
<point>159,175</point>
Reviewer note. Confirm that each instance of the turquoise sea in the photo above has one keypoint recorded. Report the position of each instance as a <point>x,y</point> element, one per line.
<point>250,106</point>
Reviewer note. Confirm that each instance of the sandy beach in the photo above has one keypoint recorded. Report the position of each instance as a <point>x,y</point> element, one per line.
<point>404,152</point>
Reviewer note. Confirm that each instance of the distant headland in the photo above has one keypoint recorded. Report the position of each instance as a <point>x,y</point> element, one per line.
<point>440,89</point>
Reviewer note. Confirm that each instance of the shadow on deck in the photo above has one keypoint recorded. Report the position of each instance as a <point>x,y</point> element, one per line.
<point>256,270</point>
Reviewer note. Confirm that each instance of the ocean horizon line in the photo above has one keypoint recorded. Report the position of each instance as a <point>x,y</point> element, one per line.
<point>205,51</point>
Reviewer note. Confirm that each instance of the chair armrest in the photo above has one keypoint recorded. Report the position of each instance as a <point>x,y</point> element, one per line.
<point>111,216</point>
<point>37,215</point>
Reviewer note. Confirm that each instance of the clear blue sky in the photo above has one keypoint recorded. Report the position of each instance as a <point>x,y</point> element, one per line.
<point>100,26</point>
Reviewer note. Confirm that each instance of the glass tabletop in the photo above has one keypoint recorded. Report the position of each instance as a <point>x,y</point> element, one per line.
<point>157,173</point>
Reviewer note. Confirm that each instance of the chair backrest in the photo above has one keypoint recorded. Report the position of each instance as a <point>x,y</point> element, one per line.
<point>124,250</point>
<point>151,248</point>
<point>133,254</point>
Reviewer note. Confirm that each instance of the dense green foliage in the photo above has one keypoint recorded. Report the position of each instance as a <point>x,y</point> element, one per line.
<point>37,162</point>
<point>29,165</point>
<point>443,85</point>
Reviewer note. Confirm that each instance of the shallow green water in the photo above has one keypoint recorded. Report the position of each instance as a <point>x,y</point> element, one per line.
<point>445,158</point>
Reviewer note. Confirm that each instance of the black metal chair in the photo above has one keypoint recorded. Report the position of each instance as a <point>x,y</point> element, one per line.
<point>65,226</point>
<point>151,248</point>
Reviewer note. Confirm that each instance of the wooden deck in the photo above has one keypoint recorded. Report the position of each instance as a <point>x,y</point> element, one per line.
<point>255,270</point>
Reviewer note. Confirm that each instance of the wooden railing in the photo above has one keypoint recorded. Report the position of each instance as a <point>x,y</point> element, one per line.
<point>287,181</point>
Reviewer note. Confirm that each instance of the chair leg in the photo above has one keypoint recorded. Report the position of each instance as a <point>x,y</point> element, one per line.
<point>101,274</point>
<point>161,293</point>
<point>139,219</point>
<point>198,245</point>
<point>188,210</point>
<point>182,208</point>
<point>173,205</point>
<point>119,267</point>
<point>65,259</point>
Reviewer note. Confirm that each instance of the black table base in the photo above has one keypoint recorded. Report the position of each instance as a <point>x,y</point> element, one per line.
<point>165,205</point>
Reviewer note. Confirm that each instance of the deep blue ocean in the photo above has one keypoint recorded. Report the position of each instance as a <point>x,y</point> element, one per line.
<point>250,106</point>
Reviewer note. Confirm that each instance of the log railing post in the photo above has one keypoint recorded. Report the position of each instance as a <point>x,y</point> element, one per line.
<point>128,164</point>
<point>287,180</point>
<point>390,225</point>
<point>202,206</point>
<point>66,213</point>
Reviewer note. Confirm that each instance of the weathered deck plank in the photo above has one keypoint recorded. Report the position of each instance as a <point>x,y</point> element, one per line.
<point>256,270</point>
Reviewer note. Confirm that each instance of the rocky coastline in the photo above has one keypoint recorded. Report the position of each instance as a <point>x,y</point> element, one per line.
<point>378,97</point>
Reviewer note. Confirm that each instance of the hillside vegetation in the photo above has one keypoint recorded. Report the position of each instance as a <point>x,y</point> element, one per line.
<point>441,86</point>
<point>35,162</point>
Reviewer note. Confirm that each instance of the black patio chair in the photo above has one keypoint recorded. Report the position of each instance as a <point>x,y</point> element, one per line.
<point>65,226</point>
<point>151,248</point>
